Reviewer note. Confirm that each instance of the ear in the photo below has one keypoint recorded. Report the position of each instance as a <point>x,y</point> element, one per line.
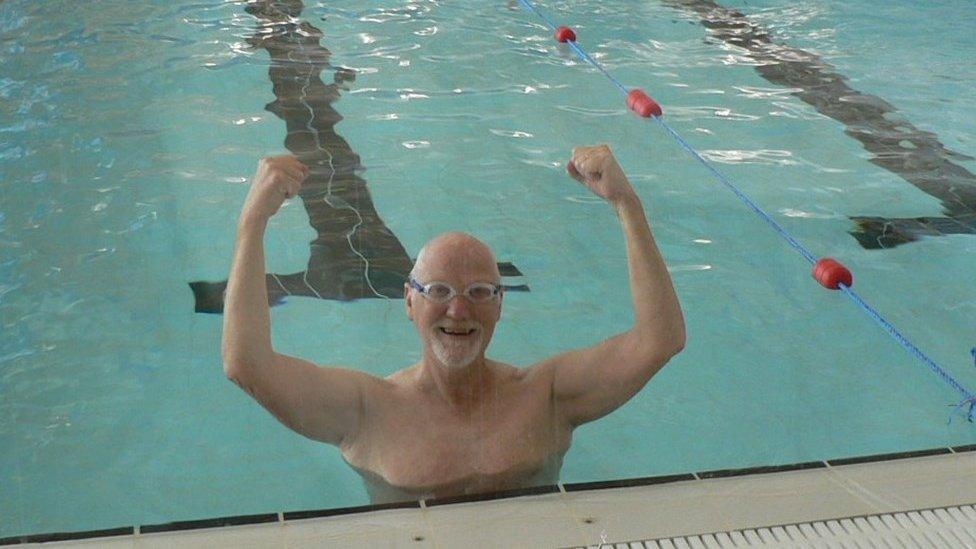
<point>407,300</point>
<point>501,298</point>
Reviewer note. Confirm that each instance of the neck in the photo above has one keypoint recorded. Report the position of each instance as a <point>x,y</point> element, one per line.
<point>460,387</point>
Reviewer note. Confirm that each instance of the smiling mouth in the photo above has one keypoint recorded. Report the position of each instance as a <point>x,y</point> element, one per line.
<point>457,333</point>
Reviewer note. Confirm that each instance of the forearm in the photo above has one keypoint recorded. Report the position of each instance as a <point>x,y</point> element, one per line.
<point>247,320</point>
<point>658,320</point>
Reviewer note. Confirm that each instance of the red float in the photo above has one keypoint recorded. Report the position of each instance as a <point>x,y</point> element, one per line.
<point>565,34</point>
<point>642,104</point>
<point>830,272</point>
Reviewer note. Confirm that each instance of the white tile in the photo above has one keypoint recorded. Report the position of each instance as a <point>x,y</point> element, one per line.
<point>932,481</point>
<point>717,504</point>
<point>393,528</point>
<point>533,521</point>
<point>644,512</point>
<point>243,537</point>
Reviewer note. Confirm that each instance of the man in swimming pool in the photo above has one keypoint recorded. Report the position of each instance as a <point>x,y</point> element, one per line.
<point>455,422</point>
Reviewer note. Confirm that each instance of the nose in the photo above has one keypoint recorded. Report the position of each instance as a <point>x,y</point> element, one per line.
<point>457,307</point>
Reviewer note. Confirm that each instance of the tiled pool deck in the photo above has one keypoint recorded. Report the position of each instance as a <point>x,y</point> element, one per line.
<point>589,514</point>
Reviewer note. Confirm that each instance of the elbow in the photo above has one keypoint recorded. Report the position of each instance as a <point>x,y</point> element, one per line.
<point>234,366</point>
<point>232,370</point>
<point>664,354</point>
<point>679,343</point>
<point>240,360</point>
<point>676,342</point>
<point>242,369</point>
<point>657,350</point>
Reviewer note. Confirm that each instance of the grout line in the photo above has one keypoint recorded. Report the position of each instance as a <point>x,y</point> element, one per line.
<point>576,511</point>
<point>281,517</point>
<point>426,519</point>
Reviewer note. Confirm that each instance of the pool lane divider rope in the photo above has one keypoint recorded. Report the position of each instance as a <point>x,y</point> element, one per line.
<point>829,272</point>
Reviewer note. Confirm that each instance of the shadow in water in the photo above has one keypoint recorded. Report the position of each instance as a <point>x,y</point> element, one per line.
<point>354,254</point>
<point>915,155</point>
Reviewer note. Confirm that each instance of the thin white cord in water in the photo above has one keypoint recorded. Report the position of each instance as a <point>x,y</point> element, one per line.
<point>282,286</point>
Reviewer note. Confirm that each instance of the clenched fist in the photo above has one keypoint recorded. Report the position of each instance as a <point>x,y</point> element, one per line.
<point>277,178</point>
<point>596,167</point>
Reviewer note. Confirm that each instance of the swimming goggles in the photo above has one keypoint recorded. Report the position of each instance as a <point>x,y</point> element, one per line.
<point>442,292</point>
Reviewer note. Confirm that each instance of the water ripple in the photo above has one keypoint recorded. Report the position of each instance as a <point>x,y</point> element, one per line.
<point>591,112</point>
<point>406,94</point>
<point>690,267</point>
<point>795,110</point>
<point>433,117</point>
<point>383,15</point>
<point>756,92</point>
<point>510,133</point>
<point>385,52</point>
<point>697,113</point>
<point>793,212</point>
<point>761,156</point>
<point>584,199</point>
<point>139,222</point>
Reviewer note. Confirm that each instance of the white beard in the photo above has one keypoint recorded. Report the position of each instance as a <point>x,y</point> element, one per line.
<point>457,354</point>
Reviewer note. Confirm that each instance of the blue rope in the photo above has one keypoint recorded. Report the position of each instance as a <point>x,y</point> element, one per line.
<point>529,5</point>
<point>968,397</point>
<point>583,55</point>
<point>721,177</point>
<point>970,400</point>
<point>586,57</point>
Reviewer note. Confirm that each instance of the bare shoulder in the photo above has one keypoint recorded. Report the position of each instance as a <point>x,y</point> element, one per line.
<point>506,371</point>
<point>379,386</point>
<point>401,384</point>
<point>404,378</point>
<point>532,377</point>
<point>544,370</point>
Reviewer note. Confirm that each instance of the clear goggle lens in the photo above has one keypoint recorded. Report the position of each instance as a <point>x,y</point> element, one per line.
<point>442,292</point>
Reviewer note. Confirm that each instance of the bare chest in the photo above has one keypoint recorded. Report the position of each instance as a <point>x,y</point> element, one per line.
<point>424,449</point>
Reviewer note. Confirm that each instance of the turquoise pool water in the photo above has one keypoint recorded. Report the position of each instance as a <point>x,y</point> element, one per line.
<point>129,131</point>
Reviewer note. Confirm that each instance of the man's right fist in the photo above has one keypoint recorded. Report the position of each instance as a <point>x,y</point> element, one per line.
<point>597,168</point>
<point>277,178</point>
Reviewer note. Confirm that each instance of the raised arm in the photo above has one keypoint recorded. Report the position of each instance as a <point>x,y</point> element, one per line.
<point>592,382</point>
<point>319,402</point>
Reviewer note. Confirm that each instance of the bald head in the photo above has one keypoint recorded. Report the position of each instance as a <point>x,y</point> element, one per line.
<point>455,251</point>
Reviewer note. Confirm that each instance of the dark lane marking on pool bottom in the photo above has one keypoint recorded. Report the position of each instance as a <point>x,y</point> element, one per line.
<point>354,255</point>
<point>520,492</point>
<point>209,296</point>
<point>507,269</point>
<point>915,155</point>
